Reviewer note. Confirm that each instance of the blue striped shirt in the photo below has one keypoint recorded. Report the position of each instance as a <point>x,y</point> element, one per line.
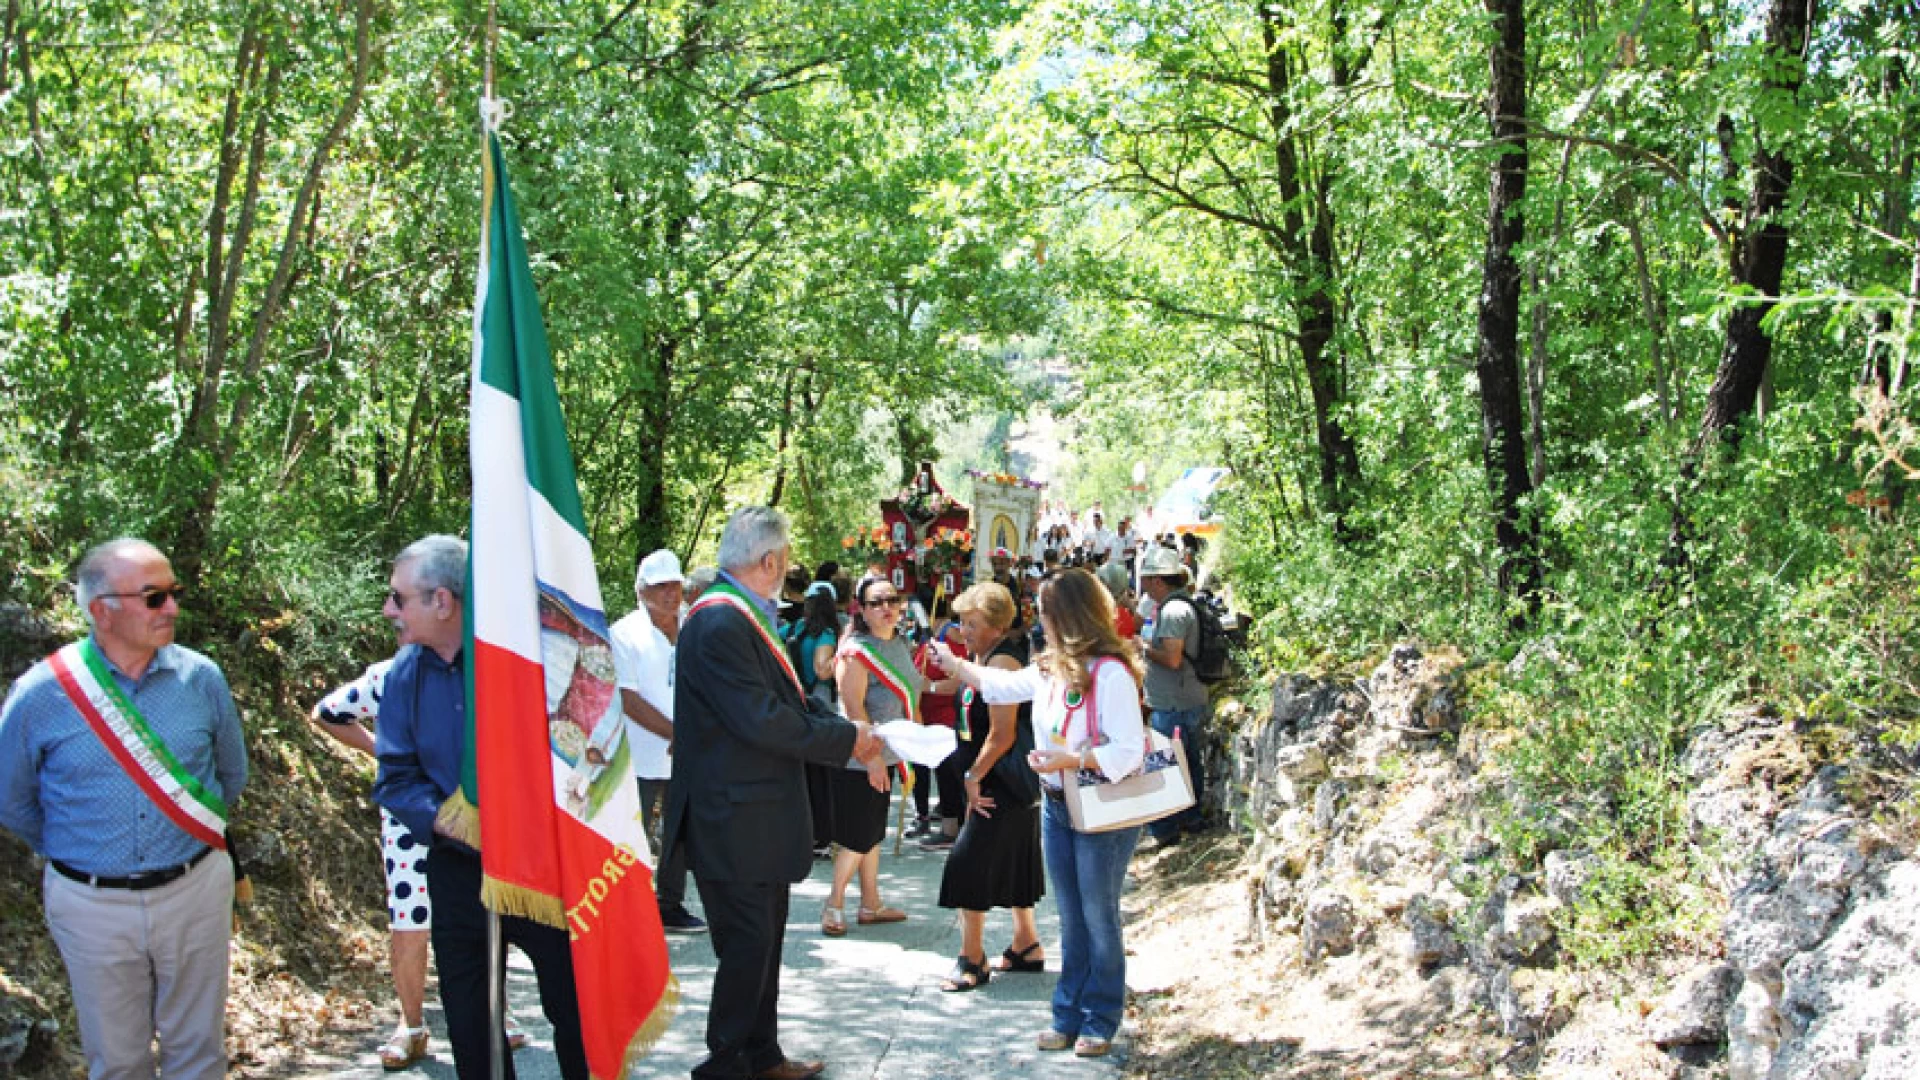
<point>64,794</point>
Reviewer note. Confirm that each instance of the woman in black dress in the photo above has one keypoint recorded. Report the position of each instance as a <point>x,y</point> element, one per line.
<point>996,861</point>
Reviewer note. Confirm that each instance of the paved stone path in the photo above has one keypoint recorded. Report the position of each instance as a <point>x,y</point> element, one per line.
<point>869,1003</point>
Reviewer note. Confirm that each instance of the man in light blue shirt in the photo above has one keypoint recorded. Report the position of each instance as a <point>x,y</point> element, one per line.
<point>139,904</point>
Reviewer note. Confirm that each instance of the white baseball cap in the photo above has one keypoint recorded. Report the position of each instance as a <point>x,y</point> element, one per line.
<point>660,568</point>
<point>1163,562</point>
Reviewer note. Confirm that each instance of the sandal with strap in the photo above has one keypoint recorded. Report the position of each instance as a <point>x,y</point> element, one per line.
<point>833,921</point>
<point>869,916</point>
<point>966,975</point>
<point>1023,961</point>
<point>404,1048</point>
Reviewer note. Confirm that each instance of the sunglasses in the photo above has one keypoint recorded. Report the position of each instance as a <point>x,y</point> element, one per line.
<point>887,601</point>
<point>155,599</point>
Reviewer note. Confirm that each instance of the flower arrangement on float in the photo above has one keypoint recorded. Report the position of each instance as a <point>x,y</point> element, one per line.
<point>865,545</point>
<point>1007,479</point>
<point>947,547</point>
<point>921,505</point>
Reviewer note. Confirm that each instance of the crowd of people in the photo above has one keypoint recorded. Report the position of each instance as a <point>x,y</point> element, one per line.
<point>752,690</point>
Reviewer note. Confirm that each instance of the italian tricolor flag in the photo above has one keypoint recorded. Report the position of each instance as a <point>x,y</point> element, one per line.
<point>559,812</point>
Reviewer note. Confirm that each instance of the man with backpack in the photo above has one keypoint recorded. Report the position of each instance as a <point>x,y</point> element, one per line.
<point>1177,699</point>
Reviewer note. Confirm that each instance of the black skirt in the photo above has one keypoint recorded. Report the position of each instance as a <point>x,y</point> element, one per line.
<point>856,814</point>
<point>996,861</point>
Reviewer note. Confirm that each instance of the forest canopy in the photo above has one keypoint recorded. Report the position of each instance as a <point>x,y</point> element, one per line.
<point>1511,319</point>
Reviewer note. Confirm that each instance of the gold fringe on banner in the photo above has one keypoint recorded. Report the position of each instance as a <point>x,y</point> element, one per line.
<point>460,819</point>
<point>523,902</point>
<point>651,1031</point>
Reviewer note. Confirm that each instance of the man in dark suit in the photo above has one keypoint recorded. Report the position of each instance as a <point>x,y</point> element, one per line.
<point>743,732</point>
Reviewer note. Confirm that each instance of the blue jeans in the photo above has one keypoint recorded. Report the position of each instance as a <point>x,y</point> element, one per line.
<point>1087,871</point>
<point>1187,723</point>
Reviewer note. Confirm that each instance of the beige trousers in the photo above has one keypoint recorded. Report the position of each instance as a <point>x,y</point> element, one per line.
<point>147,966</point>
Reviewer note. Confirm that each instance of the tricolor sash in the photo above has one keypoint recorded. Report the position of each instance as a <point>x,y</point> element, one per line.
<point>722,594</point>
<point>83,674</point>
<point>892,679</point>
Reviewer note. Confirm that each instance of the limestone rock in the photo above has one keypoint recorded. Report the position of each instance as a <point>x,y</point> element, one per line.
<point>1729,763</point>
<point>1327,800</point>
<point>1828,942</point>
<point>1775,916</point>
<point>1301,703</point>
<point>1414,692</point>
<point>1276,763</point>
<point>1431,941</point>
<point>1541,655</point>
<point>1527,930</point>
<point>1378,855</point>
<point>1567,875</point>
<point>1517,929</point>
<point>1754,1027</point>
<point>27,1038</point>
<point>1695,1010</point>
<point>1528,1002</point>
<point>1851,1007</point>
<point>1295,770</point>
<point>1327,928</point>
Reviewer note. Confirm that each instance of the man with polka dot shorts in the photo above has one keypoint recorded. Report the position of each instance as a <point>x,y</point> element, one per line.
<point>409,914</point>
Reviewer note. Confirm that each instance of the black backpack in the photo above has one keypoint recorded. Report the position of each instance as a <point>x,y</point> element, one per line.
<point>1211,661</point>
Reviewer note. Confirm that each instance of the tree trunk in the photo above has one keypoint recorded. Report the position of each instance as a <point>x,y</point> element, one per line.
<point>1760,250</point>
<point>1886,366</point>
<point>1654,312</point>
<point>1537,342</point>
<point>916,444</point>
<point>209,446</point>
<point>652,517</point>
<point>1307,248</point>
<point>1502,421</point>
<point>781,443</point>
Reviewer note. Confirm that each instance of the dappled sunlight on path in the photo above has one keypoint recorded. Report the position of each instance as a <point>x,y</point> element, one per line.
<point>869,1003</point>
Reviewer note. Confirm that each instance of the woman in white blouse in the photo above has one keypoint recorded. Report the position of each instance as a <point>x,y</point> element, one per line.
<point>1087,678</point>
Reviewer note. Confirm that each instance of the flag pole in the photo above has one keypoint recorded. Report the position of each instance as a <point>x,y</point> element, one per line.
<point>496,963</point>
<point>496,1000</point>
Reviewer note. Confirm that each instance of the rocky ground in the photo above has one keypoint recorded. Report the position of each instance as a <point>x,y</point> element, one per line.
<point>1361,923</point>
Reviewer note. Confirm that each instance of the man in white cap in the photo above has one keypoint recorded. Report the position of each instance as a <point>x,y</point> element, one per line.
<point>643,645</point>
<point>1177,701</point>
<point>1002,561</point>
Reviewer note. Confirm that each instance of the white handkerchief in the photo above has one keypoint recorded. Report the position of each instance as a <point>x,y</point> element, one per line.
<point>922,744</point>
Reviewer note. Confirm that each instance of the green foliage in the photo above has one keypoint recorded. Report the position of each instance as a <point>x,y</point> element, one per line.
<point>1631,909</point>
<point>786,246</point>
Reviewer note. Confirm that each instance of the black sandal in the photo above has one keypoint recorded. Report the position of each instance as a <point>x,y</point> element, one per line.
<point>1020,961</point>
<point>966,975</point>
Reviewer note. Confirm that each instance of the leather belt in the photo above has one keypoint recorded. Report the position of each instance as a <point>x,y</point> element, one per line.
<point>1054,793</point>
<point>152,879</point>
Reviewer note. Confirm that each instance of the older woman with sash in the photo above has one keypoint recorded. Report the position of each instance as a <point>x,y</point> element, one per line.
<point>874,671</point>
<point>1085,690</point>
